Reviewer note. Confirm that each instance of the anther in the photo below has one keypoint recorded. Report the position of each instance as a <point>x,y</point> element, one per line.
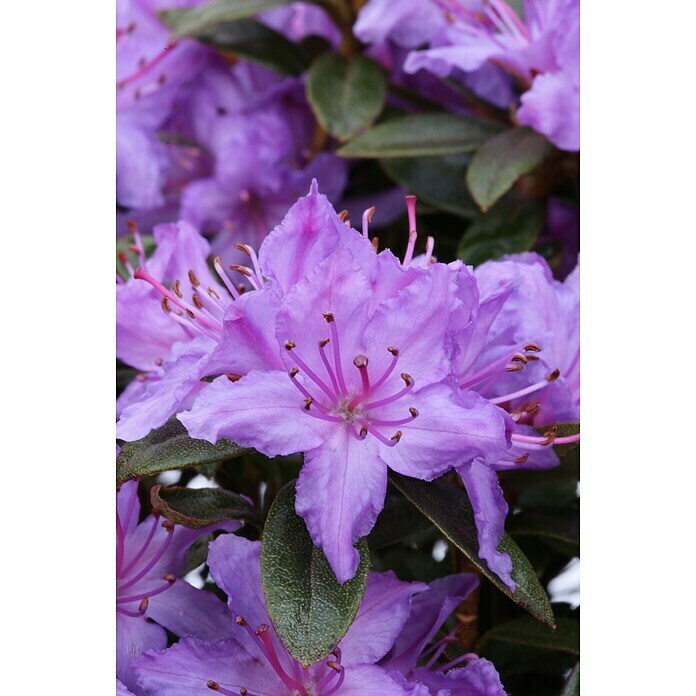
<point>123,257</point>
<point>293,371</point>
<point>343,215</point>
<point>213,685</point>
<point>393,351</point>
<point>328,316</point>
<point>214,294</point>
<point>169,526</point>
<point>176,288</point>
<point>190,314</point>
<point>375,243</point>
<point>308,402</point>
<point>197,300</point>
<point>334,665</point>
<point>550,435</point>
<point>289,345</point>
<point>406,378</point>
<point>241,621</point>
<point>533,347</point>
<point>323,342</point>
<point>142,607</point>
<point>532,408</point>
<point>514,367</point>
<point>159,361</point>
<point>363,431</point>
<point>192,277</point>
<point>360,361</point>
<point>132,225</point>
<point>553,376</point>
<point>413,411</point>
<point>522,459</point>
<point>233,377</point>
<point>171,579</point>
<point>520,358</point>
<point>370,213</point>
<point>244,248</point>
<point>141,378</point>
<point>396,436</point>
<point>261,629</point>
<point>531,356</point>
<point>241,269</point>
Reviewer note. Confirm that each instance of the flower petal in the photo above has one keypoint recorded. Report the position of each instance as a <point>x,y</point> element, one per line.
<point>368,680</point>
<point>135,636</point>
<point>478,678</point>
<point>340,492</point>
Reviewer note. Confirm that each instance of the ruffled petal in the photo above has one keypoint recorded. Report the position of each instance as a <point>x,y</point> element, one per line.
<point>478,678</point>
<point>368,680</point>
<point>134,637</point>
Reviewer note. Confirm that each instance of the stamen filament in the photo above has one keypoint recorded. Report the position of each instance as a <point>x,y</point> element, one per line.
<point>224,278</point>
<point>327,364</point>
<point>312,375</point>
<point>143,595</point>
<point>522,392</point>
<point>336,350</point>
<point>144,547</point>
<point>412,233</point>
<point>262,632</point>
<point>395,358</point>
<point>337,685</point>
<point>394,397</point>
<point>457,660</point>
<point>153,561</point>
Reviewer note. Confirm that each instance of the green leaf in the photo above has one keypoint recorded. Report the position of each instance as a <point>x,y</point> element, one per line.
<point>194,20</point>
<point>559,524</point>
<point>509,228</point>
<point>500,161</point>
<point>398,521</point>
<point>309,609</point>
<point>572,685</point>
<point>417,135</point>
<point>169,447</point>
<point>447,506</point>
<point>526,631</point>
<point>439,181</point>
<point>257,42</point>
<point>346,94</point>
<point>200,507</point>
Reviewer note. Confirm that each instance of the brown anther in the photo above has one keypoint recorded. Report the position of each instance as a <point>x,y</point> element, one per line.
<point>122,257</point>
<point>334,665</point>
<point>240,621</point>
<point>133,248</point>
<point>169,526</point>
<point>171,579</point>
<point>293,371</point>
<point>553,376</point>
<point>217,261</point>
<point>531,356</point>
<point>533,347</point>
<point>159,361</point>
<point>165,304</point>
<point>393,351</point>
<point>532,408</point>
<point>360,361</point>
<point>363,431</point>
<point>328,316</point>
<point>289,345</point>
<point>212,293</point>
<point>197,300</point>
<point>370,213</point>
<point>550,435</point>
<point>396,436</point>
<point>406,378</point>
<point>176,287</point>
<point>514,367</point>
<point>213,685</point>
<point>143,604</point>
<point>522,459</point>
<point>520,358</point>
<point>190,314</point>
<point>233,377</point>
<point>192,277</point>
<point>141,378</point>
<point>335,653</point>
<point>323,342</point>
<point>243,691</point>
<point>261,629</point>
<point>413,411</point>
<point>241,288</point>
<point>343,215</point>
<point>308,402</point>
<point>240,269</point>
<point>375,243</point>
<point>244,248</point>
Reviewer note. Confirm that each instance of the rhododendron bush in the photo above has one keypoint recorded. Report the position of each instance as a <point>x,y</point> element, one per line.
<point>348,347</point>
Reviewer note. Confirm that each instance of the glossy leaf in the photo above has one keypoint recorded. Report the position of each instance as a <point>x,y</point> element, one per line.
<point>167,448</point>
<point>500,161</point>
<point>200,507</point>
<point>257,42</point>
<point>526,631</point>
<point>192,21</point>
<point>439,181</point>
<point>346,94</point>
<point>509,228</point>
<point>417,135</point>
<point>309,609</point>
<point>447,506</point>
<point>572,685</point>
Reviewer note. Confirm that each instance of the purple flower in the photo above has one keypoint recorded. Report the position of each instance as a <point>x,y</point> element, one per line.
<point>150,559</point>
<point>358,379</point>
<point>297,20</point>
<point>429,611</point>
<point>253,660</point>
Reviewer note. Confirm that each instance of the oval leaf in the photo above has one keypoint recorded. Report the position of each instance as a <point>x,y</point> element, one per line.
<point>167,448</point>
<point>257,42</point>
<point>200,507</point>
<point>440,181</point>
<point>526,631</point>
<point>449,509</point>
<point>416,135</point>
<point>498,164</point>
<point>193,20</point>
<point>346,94</point>
<point>309,609</point>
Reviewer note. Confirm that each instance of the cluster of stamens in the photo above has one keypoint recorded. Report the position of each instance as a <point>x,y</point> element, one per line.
<point>130,573</point>
<point>337,403</point>
<point>327,684</point>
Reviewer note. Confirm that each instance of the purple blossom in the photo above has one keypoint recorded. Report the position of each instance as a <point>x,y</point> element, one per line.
<point>358,378</point>
<point>253,660</point>
<point>150,559</point>
<point>298,20</point>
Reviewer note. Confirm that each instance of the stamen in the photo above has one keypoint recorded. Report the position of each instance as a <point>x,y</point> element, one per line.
<point>527,390</point>
<point>412,234</point>
<point>341,677</point>
<point>293,376</point>
<point>388,442</point>
<point>308,402</point>
<point>429,246</point>
<point>394,397</point>
<point>343,215</point>
<point>214,686</point>
<point>150,593</point>
<point>145,546</point>
<point>223,277</point>
<point>254,260</point>
<point>146,67</point>
<point>336,350</point>
<point>402,421</point>
<point>523,459</point>
<point>322,344</point>
<point>154,560</point>
<point>457,660</point>
<point>361,362</point>
<point>262,632</point>
<point>193,279</point>
<point>366,220</point>
<point>289,345</point>
<point>395,357</point>
<point>245,271</point>
<point>533,443</point>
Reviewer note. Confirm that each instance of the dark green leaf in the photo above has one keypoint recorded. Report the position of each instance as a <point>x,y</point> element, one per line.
<point>193,20</point>
<point>439,181</point>
<point>200,507</point>
<point>417,135</point>
<point>509,228</point>
<point>448,507</point>
<point>309,609</point>
<point>572,685</point>
<point>397,522</point>
<point>346,94</point>
<point>526,631</point>
<point>560,524</point>
<point>169,447</point>
<point>500,161</point>
<point>257,42</point>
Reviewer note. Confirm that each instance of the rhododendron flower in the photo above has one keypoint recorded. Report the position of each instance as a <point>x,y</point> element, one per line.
<point>150,559</point>
<point>253,661</point>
